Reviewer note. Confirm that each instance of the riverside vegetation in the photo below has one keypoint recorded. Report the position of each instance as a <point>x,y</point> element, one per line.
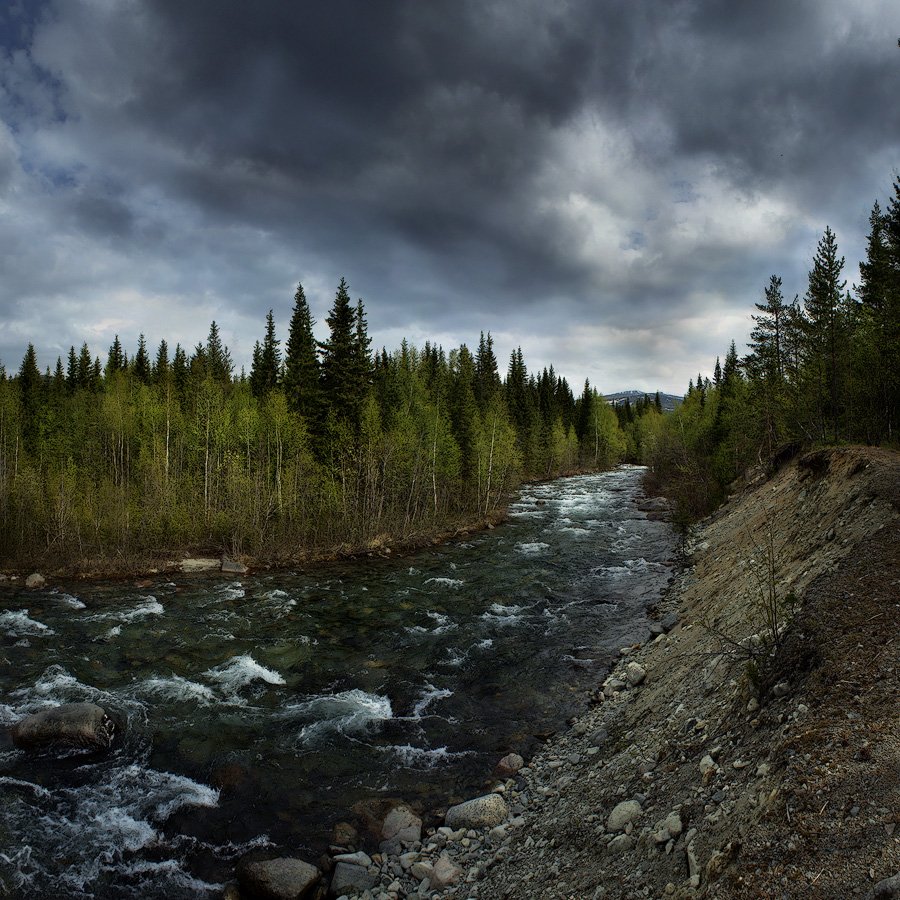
<point>326,446</point>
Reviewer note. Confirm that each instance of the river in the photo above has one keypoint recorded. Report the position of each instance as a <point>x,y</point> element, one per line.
<point>258,711</point>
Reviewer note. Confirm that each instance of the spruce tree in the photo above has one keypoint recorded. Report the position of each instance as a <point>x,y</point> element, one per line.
<point>140,365</point>
<point>217,356</point>
<point>161,367</point>
<point>301,362</point>
<point>72,371</point>
<point>115,358</point>
<point>340,361</point>
<point>86,369</point>
<point>266,367</point>
<point>824,333</point>
<point>31,389</point>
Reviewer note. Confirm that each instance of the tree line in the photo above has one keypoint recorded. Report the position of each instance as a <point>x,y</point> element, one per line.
<point>822,369</point>
<point>322,444</point>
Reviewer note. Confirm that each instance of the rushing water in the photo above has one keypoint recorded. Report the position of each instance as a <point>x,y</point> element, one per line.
<point>258,711</point>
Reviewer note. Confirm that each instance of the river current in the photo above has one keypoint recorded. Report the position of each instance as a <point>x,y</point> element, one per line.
<point>258,711</point>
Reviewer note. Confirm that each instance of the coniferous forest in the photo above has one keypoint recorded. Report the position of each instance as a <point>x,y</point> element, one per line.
<point>330,445</point>
<point>320,446</point>
<point>823,368</point>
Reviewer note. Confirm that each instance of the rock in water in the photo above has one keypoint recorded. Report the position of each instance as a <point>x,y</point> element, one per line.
<point>70,725</point>
<point>278,879</point>
<point>35,580</point>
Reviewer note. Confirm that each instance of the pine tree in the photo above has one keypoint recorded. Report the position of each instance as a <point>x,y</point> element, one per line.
<point>115,359</point>
<point>340,361</point>
<point>266,367</point>
<point>161,367</point>
<point>140,365</point>
<point>31,389</point>
<point>487,378</point>
<point>72,371</point>
<point>824,333</point>
<point>180,371</point>
<point>217,357</point>
<point>301,363</point>
<point>86,369</point>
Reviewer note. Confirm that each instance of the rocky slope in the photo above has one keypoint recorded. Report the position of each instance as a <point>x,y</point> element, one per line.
<point>750,748</point>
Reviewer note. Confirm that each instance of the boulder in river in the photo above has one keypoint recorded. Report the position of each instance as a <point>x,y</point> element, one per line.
<point>34,581</point>
<point>83,725</point>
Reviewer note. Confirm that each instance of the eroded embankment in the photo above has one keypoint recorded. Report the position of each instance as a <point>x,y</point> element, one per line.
<point>735,771</point>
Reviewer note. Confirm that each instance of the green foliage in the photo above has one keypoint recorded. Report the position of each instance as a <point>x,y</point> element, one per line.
<point>824,371</point>
<point>157,457</point>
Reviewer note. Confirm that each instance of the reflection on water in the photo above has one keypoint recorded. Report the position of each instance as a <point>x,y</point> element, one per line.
<point>258,711</point>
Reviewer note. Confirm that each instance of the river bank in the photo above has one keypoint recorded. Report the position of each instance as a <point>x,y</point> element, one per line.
<point>746,749</point>
<point>219,560</point>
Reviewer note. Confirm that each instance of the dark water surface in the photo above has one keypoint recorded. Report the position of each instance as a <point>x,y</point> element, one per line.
<point>259,710</point>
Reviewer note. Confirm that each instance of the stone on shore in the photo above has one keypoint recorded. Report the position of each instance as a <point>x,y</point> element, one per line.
<point>233,567</point>
<point>635,674</point>
<point>34,581</point>
<point>482,812</point>
<point>509,765</point>
<point>200,564</point>
<point>83,725</point>
<point>285,878</point>
<point>351,879</point>
<point>445,872</point>
<point>623,814</point>
<point>887,888</point>
<point>402,825</point>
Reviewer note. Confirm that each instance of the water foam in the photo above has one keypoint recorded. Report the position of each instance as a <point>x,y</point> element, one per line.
<point>498,614</point>
<point>350,712</point>
<point>239,671</point>
<point>18,624</point>
<point>233,591</point>
<point>420,758</point>
<point>179,689</point>
<point>95,828</point>
<point>70,601</point>
<point>532,547</point>
<point>446,582</point>
<point>430,695</point>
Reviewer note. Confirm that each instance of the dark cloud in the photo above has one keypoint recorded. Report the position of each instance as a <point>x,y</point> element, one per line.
<point>519,166</point>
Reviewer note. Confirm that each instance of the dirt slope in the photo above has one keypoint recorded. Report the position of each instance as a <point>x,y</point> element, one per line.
<point>760,775</point>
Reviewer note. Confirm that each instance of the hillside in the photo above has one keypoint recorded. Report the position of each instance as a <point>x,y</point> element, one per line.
<point>748,774</point>
<point>669,401</point>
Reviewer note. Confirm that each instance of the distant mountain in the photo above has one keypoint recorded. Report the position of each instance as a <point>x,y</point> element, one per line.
<point>669,401</point>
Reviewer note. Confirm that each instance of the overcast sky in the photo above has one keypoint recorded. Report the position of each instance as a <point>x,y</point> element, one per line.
<point>607,183</point>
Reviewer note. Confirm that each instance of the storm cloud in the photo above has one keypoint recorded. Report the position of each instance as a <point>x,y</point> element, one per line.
<point>607,184</point>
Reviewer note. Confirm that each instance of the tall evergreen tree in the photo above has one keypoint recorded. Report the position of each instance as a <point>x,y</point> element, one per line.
<point>72,371</point>
<point>266,369</point>
<point>217,360</point>
<point>161,366</point>
<point>824,333</point>
<point>140,365</point>
<point>31,389</point>
<point>340,361</point>
<point>301,362</point>
<point>487,377</point>
<point>115,358</point>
